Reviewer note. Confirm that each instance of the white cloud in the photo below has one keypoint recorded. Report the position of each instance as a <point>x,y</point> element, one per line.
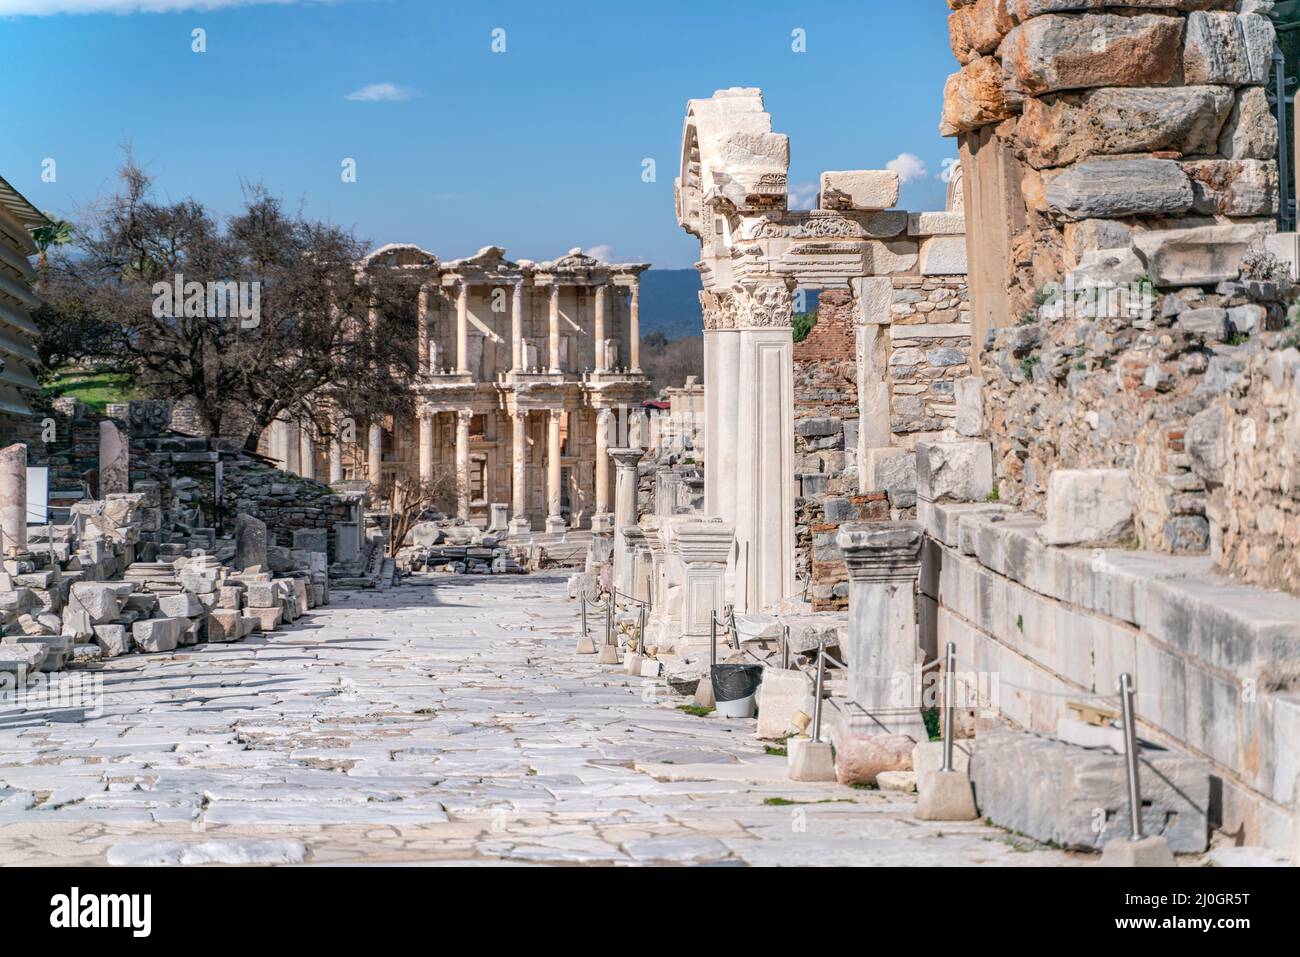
<point>46,8</point>
<point>604,252</point>
<point>803,195</point>
<point>949,170</point>
<point>380,93</point>
<point>908,166</point>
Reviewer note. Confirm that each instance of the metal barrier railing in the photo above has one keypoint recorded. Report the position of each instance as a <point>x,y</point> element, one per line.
<point>1126,695</point>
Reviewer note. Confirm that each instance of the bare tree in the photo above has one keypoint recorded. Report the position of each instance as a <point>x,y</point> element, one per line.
<point>409,499</point>
<point>149,288</point>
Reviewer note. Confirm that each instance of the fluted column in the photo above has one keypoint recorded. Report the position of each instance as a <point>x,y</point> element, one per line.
<point>553,346</point>
<point>306,453</point>
<point>517,328</point>
<point>604,422</point>
<point>765,447</point>
<point>463,418</point>
<point>423,331</point>
<point>721,395</point>
<point>554,516</point>
<point>600,328</point>
<point>336,460</point>
<point>13,500</point>
<point>625,489</point>
<point>375,453</point>
<point>520,523</point>
<point>425,426</point>
<point>462,328</point>
<point>634,325</point>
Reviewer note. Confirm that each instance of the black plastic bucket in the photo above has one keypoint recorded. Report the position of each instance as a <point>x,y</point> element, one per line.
<point>735,688</point>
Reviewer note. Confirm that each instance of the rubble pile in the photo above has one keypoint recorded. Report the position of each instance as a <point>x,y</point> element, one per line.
<point>79,594</point>
<point>460,549</point>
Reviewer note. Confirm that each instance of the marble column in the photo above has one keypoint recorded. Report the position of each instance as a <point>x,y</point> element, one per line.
<point>425,426</point>
<point>336,460</point>
<point>517,328</point>
<point>703,549</point>
<point>520,524</point>
<point>13,500</point>
<point>765,447</point>
<point>462,328</point>
<point>884,561</point>
<point>604,423</point>
<point>553,343</point>
<point>306,453</point>
<point>709,310</point>
<point>599,331</point>
<point>554,518</point>
<point>375,454</point>
<point>463,418</point>
<point>625,489</point>
<point>634,325</point>
<point>424,331</point>
<point>114,460</point>
<point>721,423</point>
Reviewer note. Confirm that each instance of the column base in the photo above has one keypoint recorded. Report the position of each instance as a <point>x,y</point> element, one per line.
<point>602,522</point>
<point>520,527</point>
<point>555,525</point>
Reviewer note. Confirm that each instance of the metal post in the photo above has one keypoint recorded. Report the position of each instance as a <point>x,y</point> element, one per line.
<point>609,620</point>
<point>817,695</point>
<point>1283,163</point>
<point>713,639</point>
<point>735,632</point>
<point>1126,694</point>
<point>785,647</point>
<point>640,637</point>
<point>949,695</point>
<point>582,599</point>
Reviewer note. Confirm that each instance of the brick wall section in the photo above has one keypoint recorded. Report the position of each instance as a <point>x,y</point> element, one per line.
<point>826,420</point>
<point>833,338</point>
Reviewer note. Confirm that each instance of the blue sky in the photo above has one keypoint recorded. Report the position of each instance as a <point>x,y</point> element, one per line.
<point>538,149</point>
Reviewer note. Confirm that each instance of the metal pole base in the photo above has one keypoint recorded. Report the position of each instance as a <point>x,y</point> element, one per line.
<point>608,655</point>
<point>810,760</point>
<point>632,663</point>
<point>945,796</point>
<point>1146,852</point>
<point>585,646</point>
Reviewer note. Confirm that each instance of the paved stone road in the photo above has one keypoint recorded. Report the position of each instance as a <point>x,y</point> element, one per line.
<point>444,721</point>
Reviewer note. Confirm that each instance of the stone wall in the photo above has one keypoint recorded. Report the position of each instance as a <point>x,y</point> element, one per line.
<point>1119,390</point>
<point>1081,123</point>
<point>1246,447</point>
<point>1214,662</point>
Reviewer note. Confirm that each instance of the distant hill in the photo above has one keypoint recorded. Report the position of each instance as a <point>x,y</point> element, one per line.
<point>670,303</point>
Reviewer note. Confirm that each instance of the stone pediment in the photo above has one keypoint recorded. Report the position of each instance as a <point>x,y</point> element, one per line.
<point>401,256</point>
<point>489,259</point>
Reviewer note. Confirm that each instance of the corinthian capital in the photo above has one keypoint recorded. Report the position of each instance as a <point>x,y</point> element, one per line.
<point>766,305</point>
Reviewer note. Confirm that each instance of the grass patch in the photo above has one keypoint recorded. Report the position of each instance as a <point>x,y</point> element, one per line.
<point>779,752</point>
<point>695,709</point>
<point>94,389</point>
<point>786,802</point>
<point>932,724</point>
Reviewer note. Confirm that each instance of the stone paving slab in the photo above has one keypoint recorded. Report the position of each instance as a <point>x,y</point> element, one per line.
<point>433,724</point>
